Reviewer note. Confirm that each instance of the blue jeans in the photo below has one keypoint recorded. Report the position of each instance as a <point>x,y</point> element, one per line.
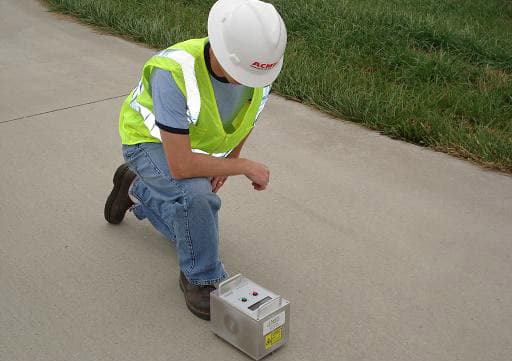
<point>183,210</point>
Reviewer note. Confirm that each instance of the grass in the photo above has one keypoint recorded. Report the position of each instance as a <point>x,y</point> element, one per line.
<point>433,72</point>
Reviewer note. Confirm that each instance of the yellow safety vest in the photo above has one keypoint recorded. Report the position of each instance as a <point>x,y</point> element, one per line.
<point>187,65</point>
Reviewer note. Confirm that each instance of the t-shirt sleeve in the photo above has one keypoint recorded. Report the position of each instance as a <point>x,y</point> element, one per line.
<point>169,103</point>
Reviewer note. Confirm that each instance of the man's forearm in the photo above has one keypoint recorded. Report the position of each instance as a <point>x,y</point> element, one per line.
<point>183,163</point>
<point>203,165</point>
<point>227,169</point>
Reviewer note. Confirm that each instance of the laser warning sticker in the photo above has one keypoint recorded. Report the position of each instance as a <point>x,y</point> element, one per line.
<point>273,337</point>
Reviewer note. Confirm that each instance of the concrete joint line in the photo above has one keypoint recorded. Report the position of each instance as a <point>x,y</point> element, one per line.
<point>64,108</point>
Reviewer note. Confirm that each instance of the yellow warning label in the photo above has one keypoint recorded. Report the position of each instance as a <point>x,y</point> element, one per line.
<point>273,337</point>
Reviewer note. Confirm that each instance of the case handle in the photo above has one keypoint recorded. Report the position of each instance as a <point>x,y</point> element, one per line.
<point>224,283</point>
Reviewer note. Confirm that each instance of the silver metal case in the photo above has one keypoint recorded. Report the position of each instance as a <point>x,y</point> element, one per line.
<point>250,317</point>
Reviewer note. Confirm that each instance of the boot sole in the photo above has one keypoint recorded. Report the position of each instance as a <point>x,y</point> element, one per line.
<point>202,315</point>
<point>118,184</point>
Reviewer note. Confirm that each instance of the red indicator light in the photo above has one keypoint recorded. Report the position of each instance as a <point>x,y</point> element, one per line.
<point>254,293</point>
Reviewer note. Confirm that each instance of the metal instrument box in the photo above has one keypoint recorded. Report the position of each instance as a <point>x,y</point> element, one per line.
<point>250,317</point>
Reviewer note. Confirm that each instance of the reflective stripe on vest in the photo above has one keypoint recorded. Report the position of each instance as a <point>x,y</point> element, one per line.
<point>216,155</point>
<point>186,62</point>
<point>149,117</point>
<point>264,99</point>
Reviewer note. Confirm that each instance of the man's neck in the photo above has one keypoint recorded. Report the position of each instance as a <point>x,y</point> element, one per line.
<point>215,66</point>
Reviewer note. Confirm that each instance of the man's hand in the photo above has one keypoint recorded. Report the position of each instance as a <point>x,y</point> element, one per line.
<point>218,182</point>
<point>259,174</point>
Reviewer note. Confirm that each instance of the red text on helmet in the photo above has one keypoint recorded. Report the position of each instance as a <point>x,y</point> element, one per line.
<point>264,66</point>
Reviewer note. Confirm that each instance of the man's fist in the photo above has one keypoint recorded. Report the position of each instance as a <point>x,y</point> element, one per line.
<point>259,174</point>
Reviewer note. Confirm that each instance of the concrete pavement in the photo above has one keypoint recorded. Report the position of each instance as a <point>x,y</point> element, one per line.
<point>386,250</point>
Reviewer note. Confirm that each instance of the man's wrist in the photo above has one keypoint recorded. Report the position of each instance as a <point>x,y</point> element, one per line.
<point>244,165</point>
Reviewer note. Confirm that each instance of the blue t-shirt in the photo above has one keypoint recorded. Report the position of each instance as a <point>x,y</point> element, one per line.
<point>170,105</point>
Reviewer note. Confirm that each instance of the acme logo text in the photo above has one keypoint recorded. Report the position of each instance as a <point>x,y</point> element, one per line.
<point>265,66</point>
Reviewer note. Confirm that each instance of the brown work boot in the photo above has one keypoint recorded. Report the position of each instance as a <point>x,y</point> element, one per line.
<point>197,298</point>
<point>118,202</point>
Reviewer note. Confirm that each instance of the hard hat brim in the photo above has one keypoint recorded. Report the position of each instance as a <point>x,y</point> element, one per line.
<point>251,77</point>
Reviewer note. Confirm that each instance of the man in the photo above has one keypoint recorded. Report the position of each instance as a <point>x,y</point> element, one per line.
<point>183,128</point>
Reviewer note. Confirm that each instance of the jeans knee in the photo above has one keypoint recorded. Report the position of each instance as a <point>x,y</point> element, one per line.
<point>204,201</point>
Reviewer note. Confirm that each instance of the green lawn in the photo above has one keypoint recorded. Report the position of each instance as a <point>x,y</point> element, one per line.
<point>433,72</point>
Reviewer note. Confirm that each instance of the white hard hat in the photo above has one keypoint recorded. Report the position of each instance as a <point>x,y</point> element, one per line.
<point>248,38</point>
